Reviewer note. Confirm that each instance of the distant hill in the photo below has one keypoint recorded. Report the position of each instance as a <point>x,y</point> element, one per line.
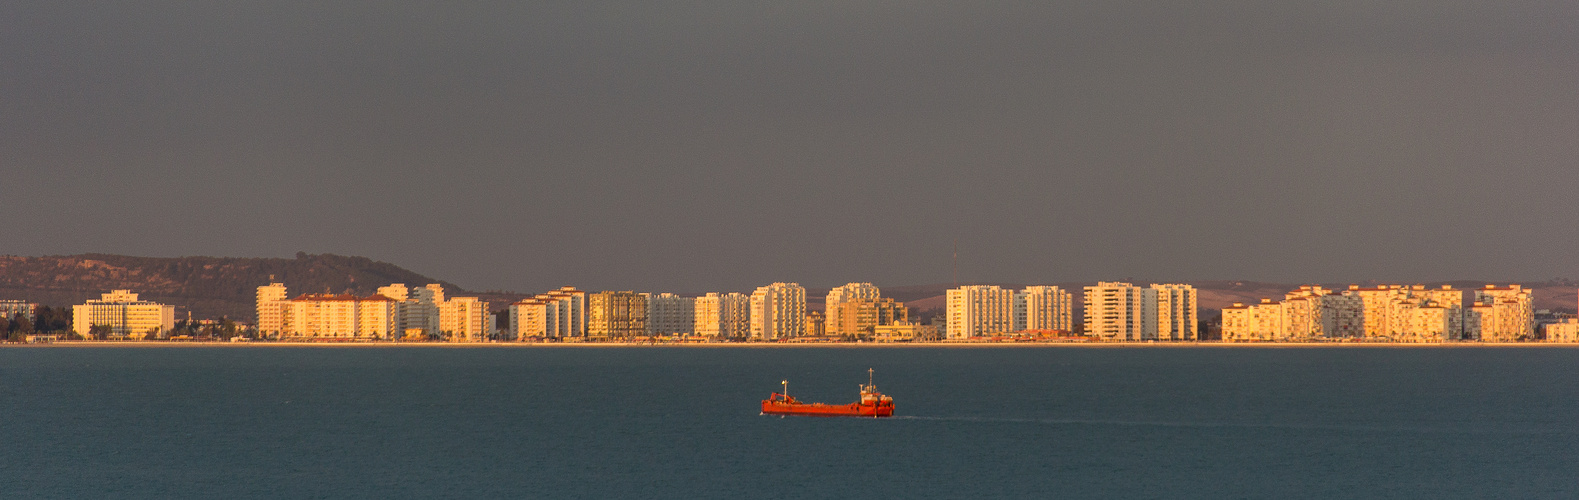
<point>208,286</point>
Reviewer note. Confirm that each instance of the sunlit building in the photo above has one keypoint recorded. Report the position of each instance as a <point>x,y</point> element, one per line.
<point>465,319</point>
<point>835,301</point>
<point>1043,308</point>
<point>778,311</point>
<point>339,317</point>
<point>979,311</point>
<point>723,316</point>
<point>1117,311</point>
<point>123,315</point>
<point>1566,331</point>
<point>1501,314</point>
<point>559,314</point>
<point>1175,316</point>
<point>270,321</point>
<point>616,315</point>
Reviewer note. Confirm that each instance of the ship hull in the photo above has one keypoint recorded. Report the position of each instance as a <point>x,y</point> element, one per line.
<point>771,407</point>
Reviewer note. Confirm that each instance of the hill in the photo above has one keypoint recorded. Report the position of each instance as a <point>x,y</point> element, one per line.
<point>208,286</point>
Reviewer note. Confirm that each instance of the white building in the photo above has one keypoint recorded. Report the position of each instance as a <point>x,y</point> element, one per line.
<point>778,311</point>
<point>125,316</point>
<point>1125,312</point>
<point>979,311</point>
<point>723,316</point>
<point>270,321</point>
<point>1043,308</point>
<point>670,314</point>
<point>559,314</point>
<point>1176,312</point>
<point>465,319</point>
<point>1117,311</point>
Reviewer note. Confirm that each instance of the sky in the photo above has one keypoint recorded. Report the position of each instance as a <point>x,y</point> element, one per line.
<point>719,146</point>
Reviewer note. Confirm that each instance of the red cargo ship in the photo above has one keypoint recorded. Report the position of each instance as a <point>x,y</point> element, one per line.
<point>872,404</point>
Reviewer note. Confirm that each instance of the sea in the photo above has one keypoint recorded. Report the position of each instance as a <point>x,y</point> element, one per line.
<point>684,422</point>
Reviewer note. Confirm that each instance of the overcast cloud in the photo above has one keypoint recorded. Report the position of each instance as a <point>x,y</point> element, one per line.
<point>695,146</point>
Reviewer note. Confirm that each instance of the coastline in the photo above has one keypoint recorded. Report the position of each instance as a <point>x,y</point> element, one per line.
<point>776,345</point>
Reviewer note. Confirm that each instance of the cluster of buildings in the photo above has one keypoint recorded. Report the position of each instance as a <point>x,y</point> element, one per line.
<point>770,313</point>
<point>1389,313</point>
<point>1113,311</point>
<point>394,312</point>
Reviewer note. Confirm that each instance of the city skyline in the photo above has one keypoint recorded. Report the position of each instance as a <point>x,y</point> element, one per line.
<point>717,147</point>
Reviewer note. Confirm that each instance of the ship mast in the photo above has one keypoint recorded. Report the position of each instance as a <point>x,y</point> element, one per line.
<point>786,389</point>
<point>868,377</point>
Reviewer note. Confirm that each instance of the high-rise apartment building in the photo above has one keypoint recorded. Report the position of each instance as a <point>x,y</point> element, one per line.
<point>270,321</point>
<point>1042,308</point>
<point>1176,312</point>
<point>670,314</point>
<point>616,315</point>
<point>723,316</point>
<point>1117,311</point>
<point>123,315</point>
<point>558,314</point>
<point>836,299</point>
<point>1501,314</point>
<point>1125,312</point>
<point>465,319</point>
<point>979,311</point>
<point>778,311</point>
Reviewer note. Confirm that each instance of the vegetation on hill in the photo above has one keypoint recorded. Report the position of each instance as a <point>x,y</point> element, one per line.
<point>209,287</point>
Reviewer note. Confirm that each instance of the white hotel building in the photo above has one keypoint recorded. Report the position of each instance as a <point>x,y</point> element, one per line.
<point>125,316</point>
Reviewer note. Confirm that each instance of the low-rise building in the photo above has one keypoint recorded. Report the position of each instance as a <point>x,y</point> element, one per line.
<point>1567,331</point>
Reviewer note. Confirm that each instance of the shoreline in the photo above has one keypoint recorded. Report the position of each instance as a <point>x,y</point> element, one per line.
<point>776,345</point>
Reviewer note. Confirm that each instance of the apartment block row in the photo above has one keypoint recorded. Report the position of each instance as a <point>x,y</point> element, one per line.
<point>1113,311</point>
<point>1392,313</point>
<point>395,312</point>
<point>773,312</point>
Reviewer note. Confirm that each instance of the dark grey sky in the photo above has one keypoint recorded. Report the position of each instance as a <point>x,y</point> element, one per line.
<point>696,146</point>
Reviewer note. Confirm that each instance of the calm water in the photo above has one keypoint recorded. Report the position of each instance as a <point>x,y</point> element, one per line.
<point>683,422</point>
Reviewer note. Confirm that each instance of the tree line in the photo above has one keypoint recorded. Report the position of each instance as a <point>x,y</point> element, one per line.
<point>46,320</point>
